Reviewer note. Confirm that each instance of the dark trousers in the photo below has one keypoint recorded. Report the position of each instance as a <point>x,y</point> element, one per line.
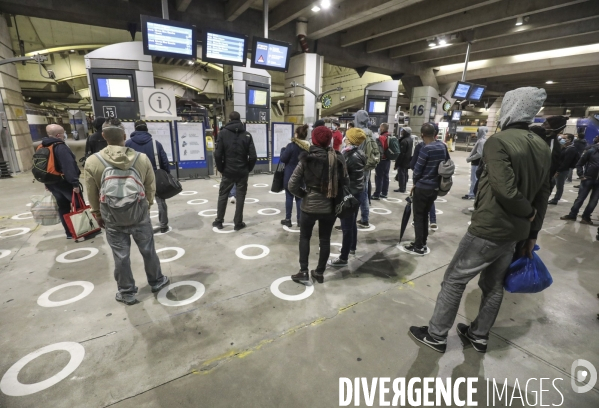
<point>586,187</point>
<point>226,184</point>
<point>350,230</point>
<point>325,227</point>
<point>63,192</point>
<point>381,178</point>
<point>422,202</point>
<point>289,205</point>
<point>402,178</point>
<point>559,181</point>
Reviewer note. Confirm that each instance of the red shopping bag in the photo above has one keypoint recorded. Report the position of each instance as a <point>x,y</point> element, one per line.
<point>80,221</point>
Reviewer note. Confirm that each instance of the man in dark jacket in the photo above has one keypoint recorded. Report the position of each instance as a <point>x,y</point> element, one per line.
<point>587,169</point>
<point>381,172</point>
<point>141,141</point>
<point>402,164</point>
<point>580,144</point>
<point>554,125</point>
<point>235,156</point>
<point>96,142</point>
<point>510,207</point>
<point>567,160</point>
<point>65,163</point>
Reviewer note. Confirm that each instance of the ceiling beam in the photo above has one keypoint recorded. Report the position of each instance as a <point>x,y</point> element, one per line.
<point>182,5</point>
<point>351,13</point>
<point>504,10</point>
<point>234,8</point>
<point>540,21</point>
<point>410,16</point>
<point>288,11</point>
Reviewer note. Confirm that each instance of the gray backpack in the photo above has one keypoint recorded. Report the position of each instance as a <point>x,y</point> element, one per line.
<point>122,195</point>
<point>446,170</point>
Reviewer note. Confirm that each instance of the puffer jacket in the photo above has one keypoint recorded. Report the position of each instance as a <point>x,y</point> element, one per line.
<point>355,161</point>
<point>588,165</point>
<point>309,173</point>
<point>235,154</point>
<point>514,183</point>
<point>406,143</point>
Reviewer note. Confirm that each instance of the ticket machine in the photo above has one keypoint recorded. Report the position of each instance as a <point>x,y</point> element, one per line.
<point>380,101</point>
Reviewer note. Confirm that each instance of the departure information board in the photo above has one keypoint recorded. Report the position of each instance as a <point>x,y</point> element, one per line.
<point>168,38</point>
<point>270,54</point>
<point>224,48</point>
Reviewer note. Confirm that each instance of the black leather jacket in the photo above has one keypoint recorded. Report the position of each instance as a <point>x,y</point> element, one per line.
<point>355,160</point>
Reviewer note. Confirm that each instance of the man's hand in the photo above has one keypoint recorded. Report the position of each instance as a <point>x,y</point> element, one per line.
<point>77,190</point>
<point>531,219</point>
<point>101,222</point>
<point>527,248</point>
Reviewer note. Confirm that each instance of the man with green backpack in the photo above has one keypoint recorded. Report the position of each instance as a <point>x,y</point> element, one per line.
<point>373,157</point>
<point>389,149</point>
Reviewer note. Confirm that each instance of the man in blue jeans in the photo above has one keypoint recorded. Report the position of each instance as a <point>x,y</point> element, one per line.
<point>588,169</point>
<point>381,172</point>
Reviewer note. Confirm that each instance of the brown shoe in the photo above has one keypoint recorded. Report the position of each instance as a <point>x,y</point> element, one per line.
<point>586,221</point>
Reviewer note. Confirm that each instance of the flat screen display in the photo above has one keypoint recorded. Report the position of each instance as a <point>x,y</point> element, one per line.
<point>456,115</point>
<point>461,90</point>
<point>167,38</point>
<point>476,92</point>
<point>257,97</point>
<point>375,106</point>
<point>224,48</point>
<point>270,54</point>
<point>113,87</point>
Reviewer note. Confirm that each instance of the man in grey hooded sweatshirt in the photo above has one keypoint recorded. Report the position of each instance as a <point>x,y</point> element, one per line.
<point>373,157</point>
<point>509,209</point>
<point>474,159</point>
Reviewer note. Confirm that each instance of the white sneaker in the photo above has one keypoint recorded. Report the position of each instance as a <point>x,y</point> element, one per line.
<point>232,200</point>
<point>434,227</point>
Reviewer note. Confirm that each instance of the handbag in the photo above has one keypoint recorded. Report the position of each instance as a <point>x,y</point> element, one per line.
<point>81,222</point>
<point>167,186</point>
<point>45,210</point>
<point>278,178</point>
<point>345,203</point>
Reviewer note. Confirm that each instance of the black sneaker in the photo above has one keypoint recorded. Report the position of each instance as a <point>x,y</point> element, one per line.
<point>416,251</point>
<point>164,230</point>
<point>568,217</point>
<point>362,224</point>
<point>218,224</point>
<point>239,226</point>
<point>421,335</point>
<point>576,186</point>
<point>354,252</point>
<point>587,221</point>
<point>552,202</point>
<point>338,228</point>
<point>375,198</point>
<point>158,287</point>
<point>286,223</point>
<point>383,196</point>
<point>338,262</point>
<point>399,191</point>
<point>317,276</point>
<point>478,343</point>
<point>302,277</point>
<point>126,299</point>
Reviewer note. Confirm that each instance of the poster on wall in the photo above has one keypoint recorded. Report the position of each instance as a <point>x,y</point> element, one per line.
<point>160,131</point>
<point>191,141</point>
<point>259,132</point>
<point>282,134</point>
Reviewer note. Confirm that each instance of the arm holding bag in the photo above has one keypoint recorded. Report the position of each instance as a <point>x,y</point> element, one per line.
<point>527,275</point>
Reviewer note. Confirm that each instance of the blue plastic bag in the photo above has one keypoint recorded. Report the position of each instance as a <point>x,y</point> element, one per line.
<point>527,275</point>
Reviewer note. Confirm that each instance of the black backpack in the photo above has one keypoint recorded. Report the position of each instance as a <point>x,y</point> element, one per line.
<point>44,165</point>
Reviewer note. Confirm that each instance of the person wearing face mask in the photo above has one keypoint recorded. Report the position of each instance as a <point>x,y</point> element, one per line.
<point>567,160</point>
<point>552,127</point>
<point>337,136</point>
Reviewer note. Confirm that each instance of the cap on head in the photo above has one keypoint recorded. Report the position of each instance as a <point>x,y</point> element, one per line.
<point>321,136</point>
<point>557,122</point>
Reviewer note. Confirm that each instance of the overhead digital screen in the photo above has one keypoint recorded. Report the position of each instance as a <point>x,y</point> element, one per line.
<point>461,90</point>
<point>167,38</point>
<point>113,87</point>
<point>476,92</point>
<point>375,106</point>
<point>456,115</point>
<point>256,97</point>
<point>270,54</point>
<point>224,48</point>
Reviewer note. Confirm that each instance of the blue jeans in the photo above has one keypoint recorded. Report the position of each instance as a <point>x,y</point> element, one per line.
<point>433,214</point>
<point>63,193</point>
<point>233,191</point>
<point>289,205</point>
<point>559,182</point>
<point>381,178</point>
<point>586,187</point>
<point>350,229</point>
<point>473,179</point>
<point>364,207</point>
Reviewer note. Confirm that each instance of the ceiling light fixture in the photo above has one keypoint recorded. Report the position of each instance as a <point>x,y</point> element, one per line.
<point>549,82</point>
<point>519,21</point>
<point>442,41</point>
<point>325,4</point>
<point>431,42</point>
<point>315,9</point>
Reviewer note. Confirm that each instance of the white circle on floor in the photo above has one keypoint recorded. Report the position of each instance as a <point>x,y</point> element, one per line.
<point>440,200</point>
<point>180,253</point>
<point>254,200</point>
<point>381,211</point>
<point>392,200</point>
<point>200,290</point>
<point>402,248</point>
<point>162,233</point>
<point>563,201</point>
<point>274,288</point>
<point>280,192</point>
<point>20,216</point>
<point>469,222</point>
<point>188,192</point>
<point>239,251</point>
<point>28,205</point>
<point>44,299</point>
<point>205,213</point>
<point>336,244</point>
<point>155,213</point>
<point>4,252</point>
<point>371,227</point>
<point>271,211</point>
<point>260,185</point>
<point>285,227</point>
<point>62,257</point>
<point>23,231</point>
<point>572,191</point>
<point>10,384</point>
<point>220,231</point>
<point>197,201</point>
<point>216,185</point>
<point>438,212</point>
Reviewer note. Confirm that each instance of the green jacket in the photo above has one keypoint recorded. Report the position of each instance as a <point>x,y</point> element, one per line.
<point>514,182</point>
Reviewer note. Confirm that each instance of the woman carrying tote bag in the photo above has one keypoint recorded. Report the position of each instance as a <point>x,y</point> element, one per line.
<point>290,157</point>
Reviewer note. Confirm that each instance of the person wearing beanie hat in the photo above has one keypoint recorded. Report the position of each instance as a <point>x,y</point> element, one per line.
<point>317,180</point>
<point>402,163</point>
<point>96,142</point>
<point>355,160</point>
<point>337,136</point>
<point>373,157</point>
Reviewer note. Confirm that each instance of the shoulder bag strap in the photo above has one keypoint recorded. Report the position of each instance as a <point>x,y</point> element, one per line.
<point>102,159</point>
<point>155,154</point>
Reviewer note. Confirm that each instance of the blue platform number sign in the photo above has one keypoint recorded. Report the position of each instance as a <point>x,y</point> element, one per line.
<point>109,111</point>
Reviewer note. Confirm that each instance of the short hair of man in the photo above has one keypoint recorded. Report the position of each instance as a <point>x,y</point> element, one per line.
<point>113,131</point>
<point>570,137</point>
<point>384,127</point>
<point>234,116</point>
<point>350,125</point>
<point>427,130</point>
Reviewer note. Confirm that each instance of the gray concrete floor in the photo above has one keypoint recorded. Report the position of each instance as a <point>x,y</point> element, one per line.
<point>239,345</point>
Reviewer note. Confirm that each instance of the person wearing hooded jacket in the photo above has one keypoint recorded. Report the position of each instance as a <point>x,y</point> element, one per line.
<point>403,161</point>
<point>235,157</point>
<point>373,157</point>
<point>551,128</point>
<point>509,208</point>
<point>474,159</point>
<point>567,161</point>
<point>141,141</point>
<point>96,142</point>
<point>290,156</point>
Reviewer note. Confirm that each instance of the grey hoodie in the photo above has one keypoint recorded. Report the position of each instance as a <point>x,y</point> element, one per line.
<point>521,105</point>
<point>477,150</point>
<point>369,146</point>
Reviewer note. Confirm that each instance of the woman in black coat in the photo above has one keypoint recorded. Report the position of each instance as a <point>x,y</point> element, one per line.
<point>290,156</point>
